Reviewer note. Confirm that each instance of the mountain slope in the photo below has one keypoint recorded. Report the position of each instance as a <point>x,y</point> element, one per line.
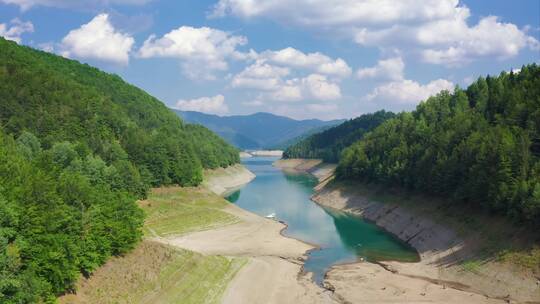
<point>479,146</point>
<point>255,131</point>
<point>329,143</point>
<point>78,147</point>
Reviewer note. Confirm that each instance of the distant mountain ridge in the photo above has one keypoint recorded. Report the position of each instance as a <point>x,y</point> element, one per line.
<point>256,131</point>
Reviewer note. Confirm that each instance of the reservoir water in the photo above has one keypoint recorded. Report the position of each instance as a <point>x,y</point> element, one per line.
<point>342,238</point>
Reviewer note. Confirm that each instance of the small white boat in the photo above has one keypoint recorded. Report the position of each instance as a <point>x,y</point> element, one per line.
<point>271,216</point>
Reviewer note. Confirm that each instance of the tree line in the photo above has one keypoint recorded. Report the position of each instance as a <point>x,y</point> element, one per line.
<point>78,147</point>
<point>479,146</point>
<point>329,144</point>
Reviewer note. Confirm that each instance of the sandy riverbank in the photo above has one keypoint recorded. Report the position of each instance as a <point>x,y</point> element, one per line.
<point>371,283</point>
<point>316,167</point>
<point>273,273</point>
<point>224,180</point>
<point>438,246</point>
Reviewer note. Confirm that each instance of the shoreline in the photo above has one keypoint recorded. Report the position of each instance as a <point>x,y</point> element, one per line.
<point>274,272</point>
<point>335,274</point>
<point>223,181</point>
<point>277,258</point>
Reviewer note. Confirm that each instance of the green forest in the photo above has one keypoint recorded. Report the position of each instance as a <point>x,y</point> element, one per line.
<point>329,144</point>
<point>479,146</point>
<point>78,147</point>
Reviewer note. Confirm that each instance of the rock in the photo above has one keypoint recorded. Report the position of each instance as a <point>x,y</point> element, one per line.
<point>328,286</point>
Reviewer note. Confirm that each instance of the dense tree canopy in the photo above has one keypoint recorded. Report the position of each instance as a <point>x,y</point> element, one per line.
<point>480,146</point>
<point>329,144</point>
<point>78,147</point>
<point>63,211</point>
<point>62,100</point>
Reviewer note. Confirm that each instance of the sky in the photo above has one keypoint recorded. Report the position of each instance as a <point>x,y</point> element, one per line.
<point>323,59</point>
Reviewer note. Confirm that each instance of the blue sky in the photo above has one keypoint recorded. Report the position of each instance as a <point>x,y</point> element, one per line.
<point>303,59</point>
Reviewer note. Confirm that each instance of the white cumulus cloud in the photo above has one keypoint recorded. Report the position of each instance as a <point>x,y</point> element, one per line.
<point>272,81</point>
<point>387,69</point>
<point>316,62</point>
<point>338,12</point>
<point>211,105</point>
<point>202,50</point>
<point>15,29</point>
<point>261,76</point>
<point>451,41</point>
<point>98,40</point>
<point>408,91</point>
<point>459,43</point>
<point>318,87</point>
<point>438,31</point>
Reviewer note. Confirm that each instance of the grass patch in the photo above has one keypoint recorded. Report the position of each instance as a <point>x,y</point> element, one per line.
<point>529,259</point>
<point>471,266</point>
<point>176,211</point>
<point>157,273</point>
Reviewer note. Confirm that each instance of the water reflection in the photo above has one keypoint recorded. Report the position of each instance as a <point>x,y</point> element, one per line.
<point>234,197</point>
<point>342,238</point>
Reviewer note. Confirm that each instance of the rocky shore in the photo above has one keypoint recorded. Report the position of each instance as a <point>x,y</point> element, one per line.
<point>438,278</point>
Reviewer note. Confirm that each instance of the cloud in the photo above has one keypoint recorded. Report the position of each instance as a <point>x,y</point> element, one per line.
<point>211,105</point>
<point>15,29</point>
<point>337,12</point>
<point>408,91</point>
<point>261,76</point>
<point>290,91</point>
<point>271,80</point>
<point>435,30</point>
<point>320,88</point>
<point>202,50</point>
<point>99,40</point>
<point>456,44</point>
<point>265,75</point>
<point>92,4</point>
<point>316,62</point>
<point>387,69</point>
<point>452,42</point>
<point>313,86</point>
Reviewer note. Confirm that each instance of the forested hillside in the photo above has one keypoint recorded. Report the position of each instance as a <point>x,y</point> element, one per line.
<point>329,144</point>
<point>480,146</point>
<point>77,148</point>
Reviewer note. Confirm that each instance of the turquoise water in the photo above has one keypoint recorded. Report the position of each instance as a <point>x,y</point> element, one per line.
<point>342,238</point>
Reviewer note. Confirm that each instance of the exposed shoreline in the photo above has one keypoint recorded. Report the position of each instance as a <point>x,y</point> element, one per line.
<point>225,180</point>
<point>407,279</point>
<point>274,272</point>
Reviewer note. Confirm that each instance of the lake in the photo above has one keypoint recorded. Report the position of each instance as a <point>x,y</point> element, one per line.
<point>341,237</point>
